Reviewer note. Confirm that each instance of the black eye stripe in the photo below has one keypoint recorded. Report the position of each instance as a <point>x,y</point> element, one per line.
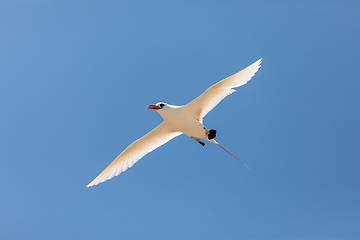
<point>162,105</point>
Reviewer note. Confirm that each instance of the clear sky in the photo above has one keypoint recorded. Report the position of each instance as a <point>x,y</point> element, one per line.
<point>75,80</point>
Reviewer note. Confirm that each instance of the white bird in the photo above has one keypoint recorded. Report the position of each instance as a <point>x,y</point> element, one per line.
<point>187,119</point>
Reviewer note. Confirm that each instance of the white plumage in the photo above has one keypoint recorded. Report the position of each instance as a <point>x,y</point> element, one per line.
<point>186,119</point>
<point>203,104</point>
<point>154,139</point>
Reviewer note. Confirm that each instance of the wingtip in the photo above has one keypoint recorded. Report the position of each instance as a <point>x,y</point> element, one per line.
<point>259,62</point>
<point>91,184</point>
<point>255,66</point>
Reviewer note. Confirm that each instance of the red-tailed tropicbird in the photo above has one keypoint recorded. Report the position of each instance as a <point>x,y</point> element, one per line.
<point>179,120</point>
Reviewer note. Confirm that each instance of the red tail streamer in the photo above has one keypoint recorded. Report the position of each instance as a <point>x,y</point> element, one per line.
<point>233,155</point>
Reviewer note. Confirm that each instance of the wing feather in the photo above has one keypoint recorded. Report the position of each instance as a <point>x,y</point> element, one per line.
<point>203,104</point>
<point>133,153</point>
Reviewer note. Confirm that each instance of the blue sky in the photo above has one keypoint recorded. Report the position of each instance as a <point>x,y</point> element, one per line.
<point>75,80</point>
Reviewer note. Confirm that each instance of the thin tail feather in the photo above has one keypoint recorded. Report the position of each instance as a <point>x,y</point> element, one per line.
<point>232,155</point>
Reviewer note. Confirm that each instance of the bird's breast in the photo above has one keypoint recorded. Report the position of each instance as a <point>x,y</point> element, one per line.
<point>182,120</point>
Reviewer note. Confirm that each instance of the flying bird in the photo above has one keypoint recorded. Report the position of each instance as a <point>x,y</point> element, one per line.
<point>187,119</point>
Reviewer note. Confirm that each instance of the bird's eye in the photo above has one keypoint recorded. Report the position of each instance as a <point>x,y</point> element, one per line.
<point>162,105</point>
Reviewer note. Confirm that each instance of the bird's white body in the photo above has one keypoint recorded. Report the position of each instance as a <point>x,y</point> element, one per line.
<point>187,119</point>
<point>181,120</point>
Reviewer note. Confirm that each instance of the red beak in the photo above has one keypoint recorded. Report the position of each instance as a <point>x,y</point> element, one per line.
<point>153,107</point>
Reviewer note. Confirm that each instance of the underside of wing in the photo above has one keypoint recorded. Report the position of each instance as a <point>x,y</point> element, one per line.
<point>203,104</point>
<point>133,153</point>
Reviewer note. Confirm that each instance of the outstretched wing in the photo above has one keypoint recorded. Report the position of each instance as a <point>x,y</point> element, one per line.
<point>203,104</point>
<point>133,153</point>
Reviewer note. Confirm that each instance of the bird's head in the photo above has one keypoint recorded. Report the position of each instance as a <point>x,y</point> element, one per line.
<point>158,106</point>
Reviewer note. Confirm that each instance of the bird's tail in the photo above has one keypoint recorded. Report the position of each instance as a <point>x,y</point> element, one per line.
<point>212,140</point>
